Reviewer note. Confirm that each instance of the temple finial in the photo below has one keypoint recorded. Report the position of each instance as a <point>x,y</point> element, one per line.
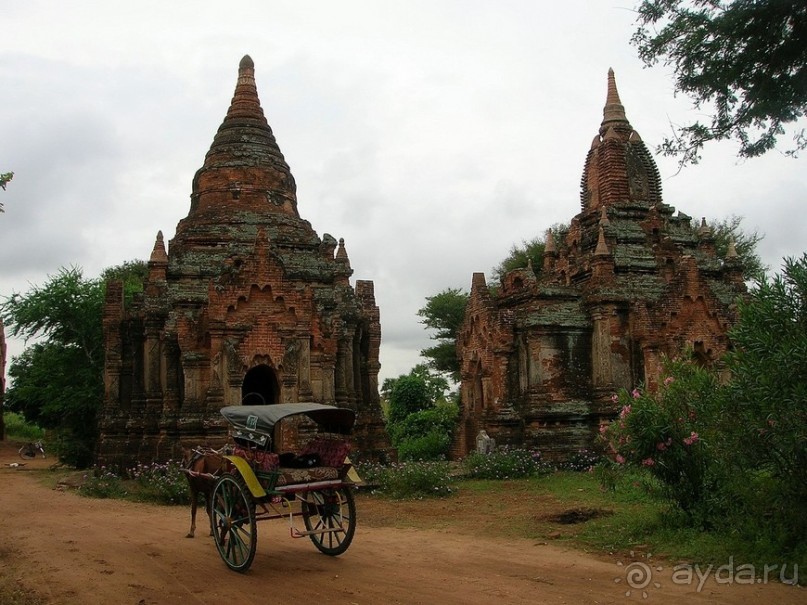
<point>613,111</point>
<point>158,254</point>
<point>246,63</point>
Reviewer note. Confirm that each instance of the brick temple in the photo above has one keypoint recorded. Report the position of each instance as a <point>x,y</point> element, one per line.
<point>247,305</point>
<point>631,282</point>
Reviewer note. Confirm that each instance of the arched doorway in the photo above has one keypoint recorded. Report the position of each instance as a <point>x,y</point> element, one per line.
<point>260,386</point>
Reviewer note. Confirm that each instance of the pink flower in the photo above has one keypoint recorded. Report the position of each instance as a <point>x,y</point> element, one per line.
<point>614,398</point>
<point>603,428</point>
<point>635,393</point>
<point>661,446</point>
<point>648,462</point>
<point>625,411</point>
<point>620,459</point>
<point>668,381</point>
<point>693,438</point>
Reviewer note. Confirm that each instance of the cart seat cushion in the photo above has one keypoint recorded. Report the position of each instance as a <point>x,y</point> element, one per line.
<point>331,452</point>
<point>258,459</point>
<point>290,476</point>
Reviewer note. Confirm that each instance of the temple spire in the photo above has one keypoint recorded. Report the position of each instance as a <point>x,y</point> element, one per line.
<point>614,111</point>
<point>245,101</point>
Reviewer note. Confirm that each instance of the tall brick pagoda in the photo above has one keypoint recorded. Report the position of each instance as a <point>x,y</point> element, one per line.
<point>248,305</point>
<point>631,282</point>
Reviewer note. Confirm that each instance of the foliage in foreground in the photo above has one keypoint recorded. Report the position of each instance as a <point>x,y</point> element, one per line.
<point>733,457</point>
<point>669,433</point>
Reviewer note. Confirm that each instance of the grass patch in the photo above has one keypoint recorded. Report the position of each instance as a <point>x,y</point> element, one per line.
<point>572,508</point>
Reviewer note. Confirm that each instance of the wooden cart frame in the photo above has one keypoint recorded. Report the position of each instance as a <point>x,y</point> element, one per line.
<point>254,487</point>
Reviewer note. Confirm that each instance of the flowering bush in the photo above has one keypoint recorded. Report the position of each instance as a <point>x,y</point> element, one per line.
<point>103,483</point>
<point>665,433</point>
<point>162,483</point>
<point>580,462</point>
<point>409,479</point>
<point>504,463</point>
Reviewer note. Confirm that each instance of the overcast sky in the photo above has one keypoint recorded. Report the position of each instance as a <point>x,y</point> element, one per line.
<point>430,135</point>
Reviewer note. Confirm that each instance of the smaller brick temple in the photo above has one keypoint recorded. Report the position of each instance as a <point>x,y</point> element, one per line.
<point>247,305</point>
<point>631,282</point>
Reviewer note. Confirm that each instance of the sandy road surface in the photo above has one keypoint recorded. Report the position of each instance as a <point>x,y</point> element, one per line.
<point>74,550</point>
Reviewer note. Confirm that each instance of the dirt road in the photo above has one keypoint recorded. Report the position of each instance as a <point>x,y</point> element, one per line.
<point>74,550</point>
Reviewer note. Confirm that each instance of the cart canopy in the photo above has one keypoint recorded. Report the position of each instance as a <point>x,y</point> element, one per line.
<point>256,421</point>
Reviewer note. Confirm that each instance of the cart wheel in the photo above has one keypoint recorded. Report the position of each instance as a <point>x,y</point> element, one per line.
<point>233,522</point>
<point>330,509</point>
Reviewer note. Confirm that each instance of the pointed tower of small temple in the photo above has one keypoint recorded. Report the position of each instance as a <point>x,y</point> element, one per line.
<point>248,305</point>
<point>627,284</point>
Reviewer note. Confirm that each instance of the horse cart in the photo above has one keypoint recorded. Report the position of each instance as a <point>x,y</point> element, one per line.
<point>258,483</point>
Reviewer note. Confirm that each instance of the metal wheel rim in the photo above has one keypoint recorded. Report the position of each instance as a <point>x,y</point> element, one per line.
<point>233,522</point>
<point>330,509</point>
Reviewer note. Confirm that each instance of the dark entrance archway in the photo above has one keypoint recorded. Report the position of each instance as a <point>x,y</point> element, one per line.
<point>260,386</point>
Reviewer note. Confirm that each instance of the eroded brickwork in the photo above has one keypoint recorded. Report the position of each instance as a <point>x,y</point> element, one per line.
<point>631,281</point>
<point>247,305</point>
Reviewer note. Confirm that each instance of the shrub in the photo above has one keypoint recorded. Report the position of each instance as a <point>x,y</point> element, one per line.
<point>581,461</point>
<point>767,394</point>
<point>18,428</point>
<point>433,446</point>
<point>425,434</point>
<point>161,483</point>
<point>409,479</point>
<point>102,484</point>
<point>670,433</point>
<point>504,463</point>
<point>410,394</point>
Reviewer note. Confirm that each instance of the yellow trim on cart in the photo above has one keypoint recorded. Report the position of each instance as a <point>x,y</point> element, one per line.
<point>352,474</point>
<point>248,475</point>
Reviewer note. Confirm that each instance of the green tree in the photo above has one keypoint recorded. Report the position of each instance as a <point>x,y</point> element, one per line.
<point>444,313</point>
<point>529,251</point>
<point>132,273</point>
<point>409,394</point>
<point>520,256</point>
<point>768,388</point>
<point>58,382</point>
<point>419,418</point>
<point>745,58</point>
<point>729,230</point>
<point>436,385</point>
